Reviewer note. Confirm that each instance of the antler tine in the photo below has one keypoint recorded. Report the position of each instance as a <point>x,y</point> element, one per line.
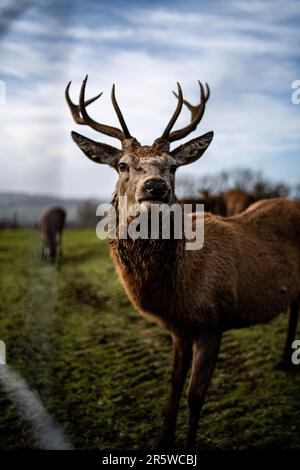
<point>81,116</point>
<point>197,113</point>
<point>104,129</point>
<point>74,108</point>
<point>194,108</point>
<point>208,92</point>
<point>119,114</point>
<point>166,133</point>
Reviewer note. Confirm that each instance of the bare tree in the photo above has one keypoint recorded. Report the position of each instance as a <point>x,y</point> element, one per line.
<point>187,185</point>
<point>86,213</point>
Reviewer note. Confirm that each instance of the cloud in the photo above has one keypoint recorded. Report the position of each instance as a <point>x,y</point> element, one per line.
<point>11,10</point>
<point>247,54</point>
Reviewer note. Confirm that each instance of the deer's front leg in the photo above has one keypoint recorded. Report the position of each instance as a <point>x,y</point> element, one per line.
<point>182,348</point>
<point>205,352</point>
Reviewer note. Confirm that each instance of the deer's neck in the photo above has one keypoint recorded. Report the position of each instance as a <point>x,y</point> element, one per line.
<point>148,271</point>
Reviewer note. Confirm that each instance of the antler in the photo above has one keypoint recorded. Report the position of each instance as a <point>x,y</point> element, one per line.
<point>166,134</point>
<point>191,107</point>
<point>197,113</point>
<point>81,116</point>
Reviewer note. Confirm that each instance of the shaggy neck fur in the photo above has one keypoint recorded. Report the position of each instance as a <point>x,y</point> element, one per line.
<point>148,271</point>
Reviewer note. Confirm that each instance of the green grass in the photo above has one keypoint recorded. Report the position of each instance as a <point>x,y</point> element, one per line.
<point>103,372</point>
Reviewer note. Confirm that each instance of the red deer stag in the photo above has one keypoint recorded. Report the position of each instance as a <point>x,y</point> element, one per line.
<point>51,225</point>
<point>247,272</point>
<point>236,201</point>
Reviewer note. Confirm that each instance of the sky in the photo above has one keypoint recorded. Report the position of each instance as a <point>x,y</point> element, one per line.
<point>248,52</point>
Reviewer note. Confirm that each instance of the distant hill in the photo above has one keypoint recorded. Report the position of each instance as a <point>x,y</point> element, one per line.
<point>26,209</point>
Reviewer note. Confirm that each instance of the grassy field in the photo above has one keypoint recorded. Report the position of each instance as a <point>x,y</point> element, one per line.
<point>102,371</point>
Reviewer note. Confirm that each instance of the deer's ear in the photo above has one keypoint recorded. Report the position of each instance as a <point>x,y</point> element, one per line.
<point>192,150</point>
<point>96,151</point>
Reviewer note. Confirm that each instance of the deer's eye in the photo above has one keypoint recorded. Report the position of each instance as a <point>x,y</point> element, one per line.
<point>173,169</point>
<point>123,167</point>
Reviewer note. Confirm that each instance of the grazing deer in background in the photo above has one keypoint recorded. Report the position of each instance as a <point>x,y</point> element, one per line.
<point>236,201</point>
<point>212,203</point>
<point>247,272</point>
<point>51,225</point>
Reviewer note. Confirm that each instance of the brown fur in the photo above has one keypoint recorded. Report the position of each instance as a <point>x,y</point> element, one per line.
<point>236,271</point>
<point>236,201</point>
<point>212,203</point>
<point>247,272</point>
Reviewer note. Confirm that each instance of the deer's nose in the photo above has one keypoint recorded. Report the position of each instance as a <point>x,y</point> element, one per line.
<point>156,187</point>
